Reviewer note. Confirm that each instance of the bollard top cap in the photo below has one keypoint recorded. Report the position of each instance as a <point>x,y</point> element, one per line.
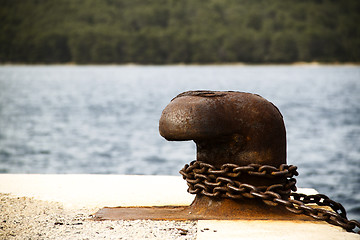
<point>207,114</point>
<point>246,124</point>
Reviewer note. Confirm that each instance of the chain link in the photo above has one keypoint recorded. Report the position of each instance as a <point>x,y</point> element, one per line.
<point>203,178</point>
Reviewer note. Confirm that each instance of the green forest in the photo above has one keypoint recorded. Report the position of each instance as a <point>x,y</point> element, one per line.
<point>179,31</point>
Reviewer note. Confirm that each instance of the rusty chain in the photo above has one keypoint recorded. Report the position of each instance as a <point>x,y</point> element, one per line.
<point>204,178</point>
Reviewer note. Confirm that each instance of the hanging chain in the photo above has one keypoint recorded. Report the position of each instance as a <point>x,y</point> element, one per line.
<point>204,178</point>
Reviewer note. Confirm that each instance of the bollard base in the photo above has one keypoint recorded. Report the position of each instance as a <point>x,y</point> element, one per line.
<point>203,208</point>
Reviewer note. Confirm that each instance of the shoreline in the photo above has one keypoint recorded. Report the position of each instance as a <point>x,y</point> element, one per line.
<point>70,64</point>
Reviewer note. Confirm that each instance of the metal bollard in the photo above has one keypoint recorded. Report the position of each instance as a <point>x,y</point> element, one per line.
<point>228,128</point>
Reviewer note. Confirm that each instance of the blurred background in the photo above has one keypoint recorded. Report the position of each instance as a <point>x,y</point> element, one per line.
<point>170,31</point>
<point>83,83</point>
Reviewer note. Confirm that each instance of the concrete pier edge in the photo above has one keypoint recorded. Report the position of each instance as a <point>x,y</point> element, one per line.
<point>76,191</point>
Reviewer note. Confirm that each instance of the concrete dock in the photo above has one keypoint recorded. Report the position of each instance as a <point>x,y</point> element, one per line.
<point>60,207</point>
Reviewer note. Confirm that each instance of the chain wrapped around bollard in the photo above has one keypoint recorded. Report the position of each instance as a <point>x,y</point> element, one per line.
<point>240,170</point>
<point>203,178</point>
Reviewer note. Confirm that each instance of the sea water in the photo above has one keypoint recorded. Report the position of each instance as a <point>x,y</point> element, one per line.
<point>104,119</point>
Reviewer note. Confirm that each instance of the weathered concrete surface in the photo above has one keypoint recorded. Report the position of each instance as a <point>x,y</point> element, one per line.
<point>28,218</point>
<point>61,206</point>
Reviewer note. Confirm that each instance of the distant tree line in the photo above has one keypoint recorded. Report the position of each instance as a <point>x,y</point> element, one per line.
<point>179,31</point>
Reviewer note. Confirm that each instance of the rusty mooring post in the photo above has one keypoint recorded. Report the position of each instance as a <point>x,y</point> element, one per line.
<point>231,129</point>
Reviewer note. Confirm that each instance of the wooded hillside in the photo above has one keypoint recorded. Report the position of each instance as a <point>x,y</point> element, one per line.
<point>179,31</point>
